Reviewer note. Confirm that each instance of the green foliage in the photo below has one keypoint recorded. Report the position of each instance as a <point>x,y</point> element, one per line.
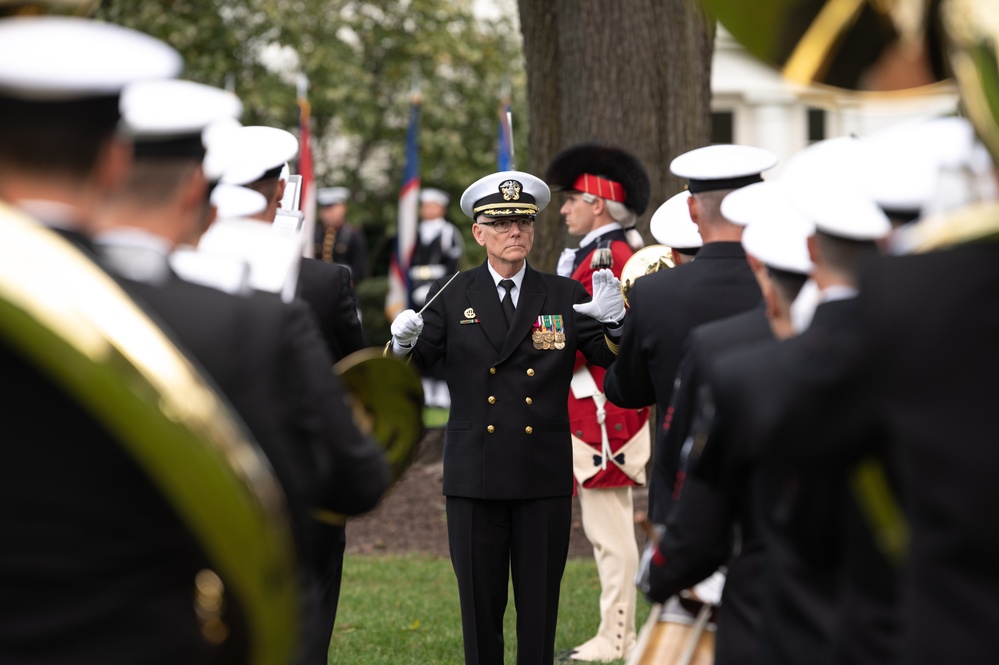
<point>361,59</point>
<point>404,609</point>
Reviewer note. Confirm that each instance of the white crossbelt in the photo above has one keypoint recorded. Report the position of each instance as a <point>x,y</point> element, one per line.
<point>584,386</point>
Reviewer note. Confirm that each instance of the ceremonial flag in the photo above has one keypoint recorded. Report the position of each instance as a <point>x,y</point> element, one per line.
<point>305,169</point>
<point>408,219</point>
<point>504,142</point>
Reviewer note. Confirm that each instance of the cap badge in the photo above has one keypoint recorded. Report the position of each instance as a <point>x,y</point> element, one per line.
<point>510,190</point>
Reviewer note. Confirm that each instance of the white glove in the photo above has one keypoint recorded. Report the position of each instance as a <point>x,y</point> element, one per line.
<point>405,329</point>
<point>607,305</point>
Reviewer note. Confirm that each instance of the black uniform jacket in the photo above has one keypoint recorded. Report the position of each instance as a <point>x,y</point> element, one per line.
<point>664,307</point>
<point>933,322</point>
<point>802,410</point>
<point>326,288</point>
<point>508,435</point>
<point>708,525</point>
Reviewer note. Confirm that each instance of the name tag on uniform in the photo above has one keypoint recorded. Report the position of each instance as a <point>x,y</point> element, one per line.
<point>549,332</point>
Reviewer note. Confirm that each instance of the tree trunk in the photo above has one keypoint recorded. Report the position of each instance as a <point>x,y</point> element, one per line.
<point>635,73</point>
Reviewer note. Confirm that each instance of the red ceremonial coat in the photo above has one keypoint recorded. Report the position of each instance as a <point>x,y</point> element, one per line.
<point>622,424</point>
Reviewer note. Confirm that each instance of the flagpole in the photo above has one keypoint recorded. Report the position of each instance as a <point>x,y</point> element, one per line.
<point>305,167</point>
<point>397,298</point>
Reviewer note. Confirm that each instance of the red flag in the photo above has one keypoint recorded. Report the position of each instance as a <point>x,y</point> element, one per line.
<point>308,198</point>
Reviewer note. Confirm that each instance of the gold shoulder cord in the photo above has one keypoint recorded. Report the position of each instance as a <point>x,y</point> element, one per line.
<point>62,313</point>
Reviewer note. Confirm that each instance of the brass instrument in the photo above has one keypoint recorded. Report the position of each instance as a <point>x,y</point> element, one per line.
<point>387,397</point>
<point>39,7</point>
<point>73,323</point>
<point>645,262</point>
<point>883,47</point>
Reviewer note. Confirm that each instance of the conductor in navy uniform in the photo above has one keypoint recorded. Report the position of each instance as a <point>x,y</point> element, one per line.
<point>508,337</point>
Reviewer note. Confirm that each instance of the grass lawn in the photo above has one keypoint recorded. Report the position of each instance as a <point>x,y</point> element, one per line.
<point>403,610</point>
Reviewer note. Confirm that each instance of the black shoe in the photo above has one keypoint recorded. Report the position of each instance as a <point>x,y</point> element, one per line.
<point>565,656</point>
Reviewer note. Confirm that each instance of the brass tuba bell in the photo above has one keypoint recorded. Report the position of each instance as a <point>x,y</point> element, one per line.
<point>876,46</point>
<point>387,398</point>
<point>75,327</point>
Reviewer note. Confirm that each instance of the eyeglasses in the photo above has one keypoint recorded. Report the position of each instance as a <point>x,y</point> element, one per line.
<point>504,225</point>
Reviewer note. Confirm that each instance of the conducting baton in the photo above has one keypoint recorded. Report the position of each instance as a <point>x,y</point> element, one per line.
<point>437,294</point>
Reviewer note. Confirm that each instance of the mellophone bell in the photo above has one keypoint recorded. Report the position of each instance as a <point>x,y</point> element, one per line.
<point>130,491</point>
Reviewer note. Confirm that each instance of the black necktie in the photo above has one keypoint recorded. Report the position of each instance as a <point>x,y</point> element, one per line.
<point>508,300</point>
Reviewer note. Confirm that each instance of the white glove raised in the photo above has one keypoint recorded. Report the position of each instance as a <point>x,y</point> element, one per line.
<point>607,305</point>
<point>406,329</point>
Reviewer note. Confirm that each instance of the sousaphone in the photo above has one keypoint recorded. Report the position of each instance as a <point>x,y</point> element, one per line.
<point>72,323</point>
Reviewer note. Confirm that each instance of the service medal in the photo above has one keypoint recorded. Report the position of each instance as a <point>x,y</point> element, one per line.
<point>536,334</point>
<point>559,338</point>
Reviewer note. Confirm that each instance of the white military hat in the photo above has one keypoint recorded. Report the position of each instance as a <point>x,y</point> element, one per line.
<point>763,201</point>
<point>904,164</point>
<point>61,58</point>
<point>780,246</point>
<point>431,195</point>
<point>169,117</point>
<point>328,196</point>
<point>823,181</point>
<point>234,201</point>
<point>506,193</point>
<point>842,212</point>
<point>724,166</point>
<point>776,229</point>
<point>832,163</point>
<point>672,226</point>
<point>220,149</point>
<point>259,152</point>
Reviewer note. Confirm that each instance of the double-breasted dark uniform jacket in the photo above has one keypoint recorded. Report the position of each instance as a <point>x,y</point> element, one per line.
<point>327,290</point>
<point>664,307</point>
<point>268,358</point>
<point>507,447</point>
<point>508,434</point>
<point>790,403</point>
<point>709,525</point>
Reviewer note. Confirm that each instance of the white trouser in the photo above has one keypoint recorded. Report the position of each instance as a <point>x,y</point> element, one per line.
<point>609,524</point>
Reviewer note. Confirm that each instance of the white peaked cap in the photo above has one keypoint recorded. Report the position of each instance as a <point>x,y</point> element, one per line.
<point>438,196</point>
<point>257,150</point>
<point>724,166</point>
<point>784,247</point>
<point>824,182</point>
<point>52,58</point>
<point>902,164</point>
<point>506,193</point>
<point>234,201</point>
<point>763,202</point>
<point>173,107</point>
<point>219,147</point>
<point>672,226</point>
<point>328,196</point>
<point>830,163</point>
